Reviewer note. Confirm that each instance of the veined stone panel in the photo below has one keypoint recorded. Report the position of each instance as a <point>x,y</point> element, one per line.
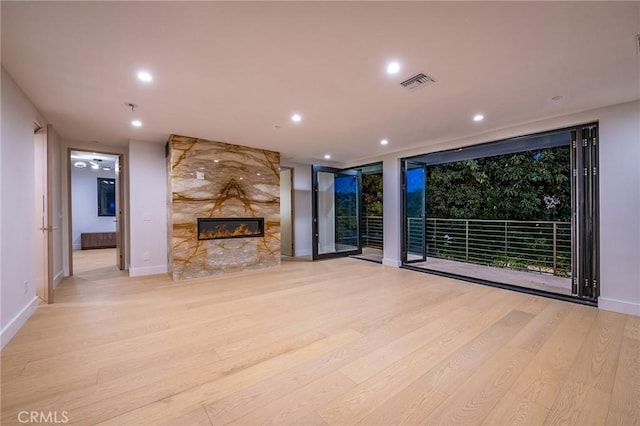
<point>219,180</point>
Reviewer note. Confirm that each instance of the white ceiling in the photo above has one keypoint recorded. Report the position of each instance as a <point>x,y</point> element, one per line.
<point>89,158</point>
<point>231,71</point>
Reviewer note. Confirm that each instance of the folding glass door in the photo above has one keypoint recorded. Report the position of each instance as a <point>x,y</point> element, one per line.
<point>336,212</point>
<point>521,212</point>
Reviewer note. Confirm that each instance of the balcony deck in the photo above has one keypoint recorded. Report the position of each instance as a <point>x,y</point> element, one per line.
<point>532,280</point>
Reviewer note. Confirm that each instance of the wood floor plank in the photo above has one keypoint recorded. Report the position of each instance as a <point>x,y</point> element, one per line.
<point>625,398</point>
<point>184,401</point>
<point>355,405</point>
<point>579,404</point>
<point>632,327</point>
<point>197,417</point>
<point>287,345</point>
<point>541,381</point>
<point>516,410</point>
<point>473,402</point>
<point>540,328</point>
<point>299,403</point>
<point>597,360</point>
<point>235,405</point>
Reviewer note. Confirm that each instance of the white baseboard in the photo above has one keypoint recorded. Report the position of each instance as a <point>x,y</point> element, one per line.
<point>17,322</point>
<point>391,262</point>
<point>147,270</point>
<point>620,306</point>
<point>58,279</point>
<point>304,252</point>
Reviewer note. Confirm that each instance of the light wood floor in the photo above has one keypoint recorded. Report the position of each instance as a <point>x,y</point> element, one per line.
<point>337,342</point>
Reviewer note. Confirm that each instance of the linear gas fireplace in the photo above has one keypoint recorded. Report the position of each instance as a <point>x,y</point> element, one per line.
<point>230,227</point>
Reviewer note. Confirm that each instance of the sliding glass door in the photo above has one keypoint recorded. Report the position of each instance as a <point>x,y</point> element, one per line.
<point>336,212</point>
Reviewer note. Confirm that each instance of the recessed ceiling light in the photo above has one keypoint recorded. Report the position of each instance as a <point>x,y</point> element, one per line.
<point>80,164</point>
<point>216,161</point>
<point>145,76</point>
<point>257,174</point>
<point>136,123</point>
<point>384,142</point>
<point>327,156</point>
<point>296,118</point>
<point>478,117</point>
<point>106,168</point>
<point>393,67</point>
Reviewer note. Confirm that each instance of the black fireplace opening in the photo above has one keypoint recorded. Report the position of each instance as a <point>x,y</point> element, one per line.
<point>230,227</point>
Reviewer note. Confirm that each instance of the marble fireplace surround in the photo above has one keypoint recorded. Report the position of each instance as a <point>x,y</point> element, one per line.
<point>209,179</point>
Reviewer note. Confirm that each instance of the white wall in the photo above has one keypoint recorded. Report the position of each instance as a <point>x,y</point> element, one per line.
<point>147,209</point>
<point>302,207</point>
<point>620,208</point>
<point>17,246</point>
<point>392,211</point>
<point>84,204</point>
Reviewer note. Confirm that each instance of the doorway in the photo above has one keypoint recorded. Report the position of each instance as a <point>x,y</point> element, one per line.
<point>347,212</point>
<point>95,206</point>
<point>519,213</point>
<point>337,212</point>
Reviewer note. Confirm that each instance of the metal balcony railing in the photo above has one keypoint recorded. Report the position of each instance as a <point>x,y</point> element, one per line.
<point>372,232</point>
<point>541,246</point>
<point>371,227</point>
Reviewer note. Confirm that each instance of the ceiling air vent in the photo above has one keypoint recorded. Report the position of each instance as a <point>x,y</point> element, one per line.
<point>417,81</point>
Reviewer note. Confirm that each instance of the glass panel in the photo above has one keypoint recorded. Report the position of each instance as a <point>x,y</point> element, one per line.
<point>415,211</point>
<point>338,206</point>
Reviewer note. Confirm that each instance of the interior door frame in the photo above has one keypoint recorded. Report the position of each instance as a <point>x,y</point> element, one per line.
<point>315,169</point>
<point>405,225</point>
<point>121,207</point>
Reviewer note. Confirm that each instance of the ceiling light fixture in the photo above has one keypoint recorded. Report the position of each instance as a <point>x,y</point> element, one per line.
<point>106,168</point>
<point>136,123</point>
<point>145,77</point>
<point>216,161</point>
<point>384,142</point>
<point>80,164</point>
<point>95,167</point>
<point>393,67</point>
<point>478,117</point>
<point>327,156</point>
<point>296,118</point>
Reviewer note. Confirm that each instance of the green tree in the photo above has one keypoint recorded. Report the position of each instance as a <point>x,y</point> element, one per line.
<point>530,185</point>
